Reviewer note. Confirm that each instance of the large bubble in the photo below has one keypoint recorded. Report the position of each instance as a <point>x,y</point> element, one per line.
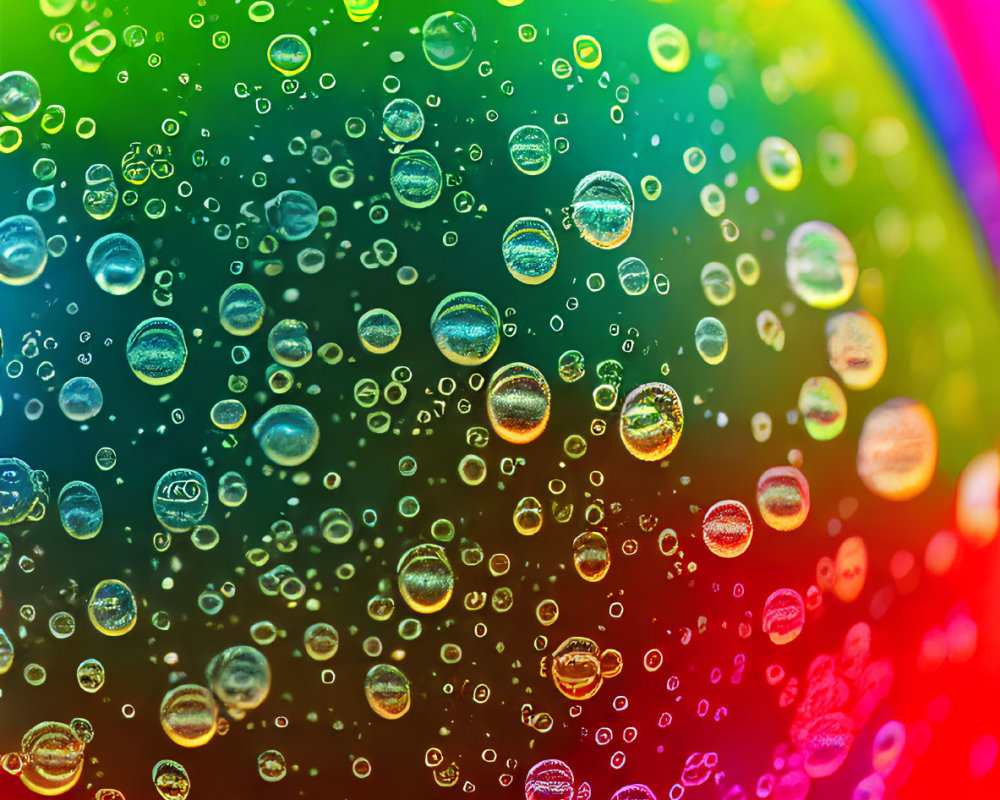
<point>288,434</point>
<point>518,403</point>
<point>116,263</point>
<point>466,328</point>
<point>22,250</point>
<point>603,205</point>
<point>80,510</point>
<point>156,351</point>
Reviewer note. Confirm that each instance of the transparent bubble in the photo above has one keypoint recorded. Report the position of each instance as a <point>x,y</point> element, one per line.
<point>591,556</point>
<point>80,510</point>
<point>289,344</point>
<point>633,276</point>
<point>518,403</point>
<point>530,250</point>
<point>669,48</point>
<point>241,309</point>
<point>180,499</point>
<point>81,399</point>
<point>239,677</point>
<point>727,528</point>
<point>530,149</point>
<point>321,641</point>
<point>188,715</point>
<point>289,54</point>
<point>779,163</point>
<point>651,422</point>
<point>232,489</point>
<point>379,330</point>
<point>22,250</point>
<point>288,434</point>
<point>20,96</point>
<point>24,492</point>
<point>717,283</point>
<point>416,179</point>
<point>116,263</point>
<point>571,366</point>
<point>711,340</point>
<point>156,351</point>
<point>90,675</point>
<point>52,756</point>
<point>387,690</point>
<point>425,578</point>
<point>821,265</point>
<point>448,39</point>
<point>112,608</point>
<point>783,498</point>
<point>602,209</point>
<point>855,344</point>
<point>402,120</point>
<point>823,408</point>
<point>897,449</point>
<point>466,328</point>
<point>228,414</point>
<point>271,766</point>
<point>292,214</point>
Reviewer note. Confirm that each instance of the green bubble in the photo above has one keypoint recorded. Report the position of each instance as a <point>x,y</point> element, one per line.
<point>156,351</point>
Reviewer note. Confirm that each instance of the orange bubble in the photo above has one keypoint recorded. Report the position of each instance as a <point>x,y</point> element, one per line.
<point>783,498</point>
<point>850,569</point>
<point>897,449</point>
<point>978,499</point>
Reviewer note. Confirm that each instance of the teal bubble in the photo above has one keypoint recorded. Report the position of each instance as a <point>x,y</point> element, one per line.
<point>415,177</point>
<point>116,263</point>
<point>292,214</point>
<point>379,330</point>
<point>633,276</point>
<point>41,198</point>
<point>530,149</point>
<point>80,399</point>
<point>288,434</point>
<point>530,250</point>
<point>603,205</point>
<point>80,510</point>
<point>180,499</point>
<point>22,250</point>
<point>20,95</point>
<point>156,351</point>
<point>232,489</point>
<point>24,492</point>
<point>241,309</point>
<point>402,120</point>
<point>448,39</point>
<point>466,328</point>
<point>289,344</point>
<point>6,550</point>
<point>239,677</point>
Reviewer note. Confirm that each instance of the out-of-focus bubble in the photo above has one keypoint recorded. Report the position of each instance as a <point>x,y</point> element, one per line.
<point>466,328</point>
<point>711,340</point>
<point>288,434</point>
<point>80,399</point>
<point>518,403</point>
<point>530,250</point>
<point>387,690</point>
<point>821,266</point>
<point>727,528</point>
<point>240,677</point>
<point>823,408</point>
<point>156,351</point>
<point>669,48</point>
<point>855,344</point>
<point>180,499</point>
<point>783,498</point>
<point>22,250</point>
<point>80,510</point>
<point>116,263</point>
<point>112,608</point>
<point>602,208</point>
<point>978,499</point>
<point>448,39</point>
<point>530,149</point>
<point>850,569</point>
<point>897,449</point>
<point>188,715</point>
<point>779,163</point>
<point>292,214</point>
<point>718,284</point>
<point>425,578</point>
<point>652,420</point>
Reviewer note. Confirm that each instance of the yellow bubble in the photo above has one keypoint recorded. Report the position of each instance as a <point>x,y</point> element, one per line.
<point>188,715</point>
<point>711,340</point>
<point>669,48</point>
<point>289,54</point>
<point>897,449</point>
<point>713,200</point>
<point>837,157</point>
<point>561,68</point>
<point>425,578</point>
<point>52,757</point>
<point>977,511</point>
<point>823,408</point>
<point>591,556</point>
<point>528,516</point>
<point>587,51</point>
<point>360,10</point>
<point>518,403</point>
<point>855,344</point>
<point>717,283</point>
<point>694,160</point>
<point>748,268</point>
<point>652,420</point>
<point>651,187</point>
<point>387,690</point>
<point>821,266</point>
<point>783,498</point>
<point>779,163</point>
<point>10,139</point>
<point>89,53</point>
<point>260,11</point>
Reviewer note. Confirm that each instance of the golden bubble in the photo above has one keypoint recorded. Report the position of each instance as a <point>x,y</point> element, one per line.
<point>518,403</point>
<point>897,449</point>
<point>587,51</point>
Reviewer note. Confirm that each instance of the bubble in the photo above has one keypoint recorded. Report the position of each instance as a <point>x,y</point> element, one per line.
<point>694,160</point>
<point>90,675</point>
<point>288,434</point>
<point>387,690</point>
<point>579,667</point>
<point>727,528</point>
<point>820,264</point>
<point>824,743</point>
<point>52,756</point>
<point>402,120</point>
<point>289,344</point>
<point>837,156</point>
<point>779,163</point>
<point>171,780</point>
<point>635,791</point>
<point>24,492</point>
<point>633,276</point>
<point>379,330</point>
<point>550,779</point>
<point>591,556</point>
<point>415,177</point>
<point>530,250</point>
<point>518,403</point>
<point>180,499</point>
<point>784,615</point>
<point>112,608</point>
<point>448,39</point>
<point>472,470</point>
<point>80,399</point>
<point>897,449</point>
<point>651,187</point>
<point>425,578</point>
<point>188,715</point>
<point>711,340</point>
<point>783,498</point>
<point>855,344</point>
<point>530,149</point>
<point>717,283</point>
<point>156,351</point>
<point>602,208</point>
<point>823,408</point>
<point>271,766</point>
<point>239,677</point>
<point>20,96</point>
<point>669,48</point>
<point>887,747</point>
<point>289,54</point>
<point>528,516</point>
<point>587,51</point>
<point>241,309</point>
<point>22,250</point>
<point>228,414</point>
<point>6,652</point>
<point>571,366</point>
<point>652,419</point>
<point>466,328</point>
<point>116,263</point>
<point>80,510</point>
<point>770,330</point>
<point>232,489</point>
<point>292,214</point>
<point>321,641</point>
<point>850,569</point>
